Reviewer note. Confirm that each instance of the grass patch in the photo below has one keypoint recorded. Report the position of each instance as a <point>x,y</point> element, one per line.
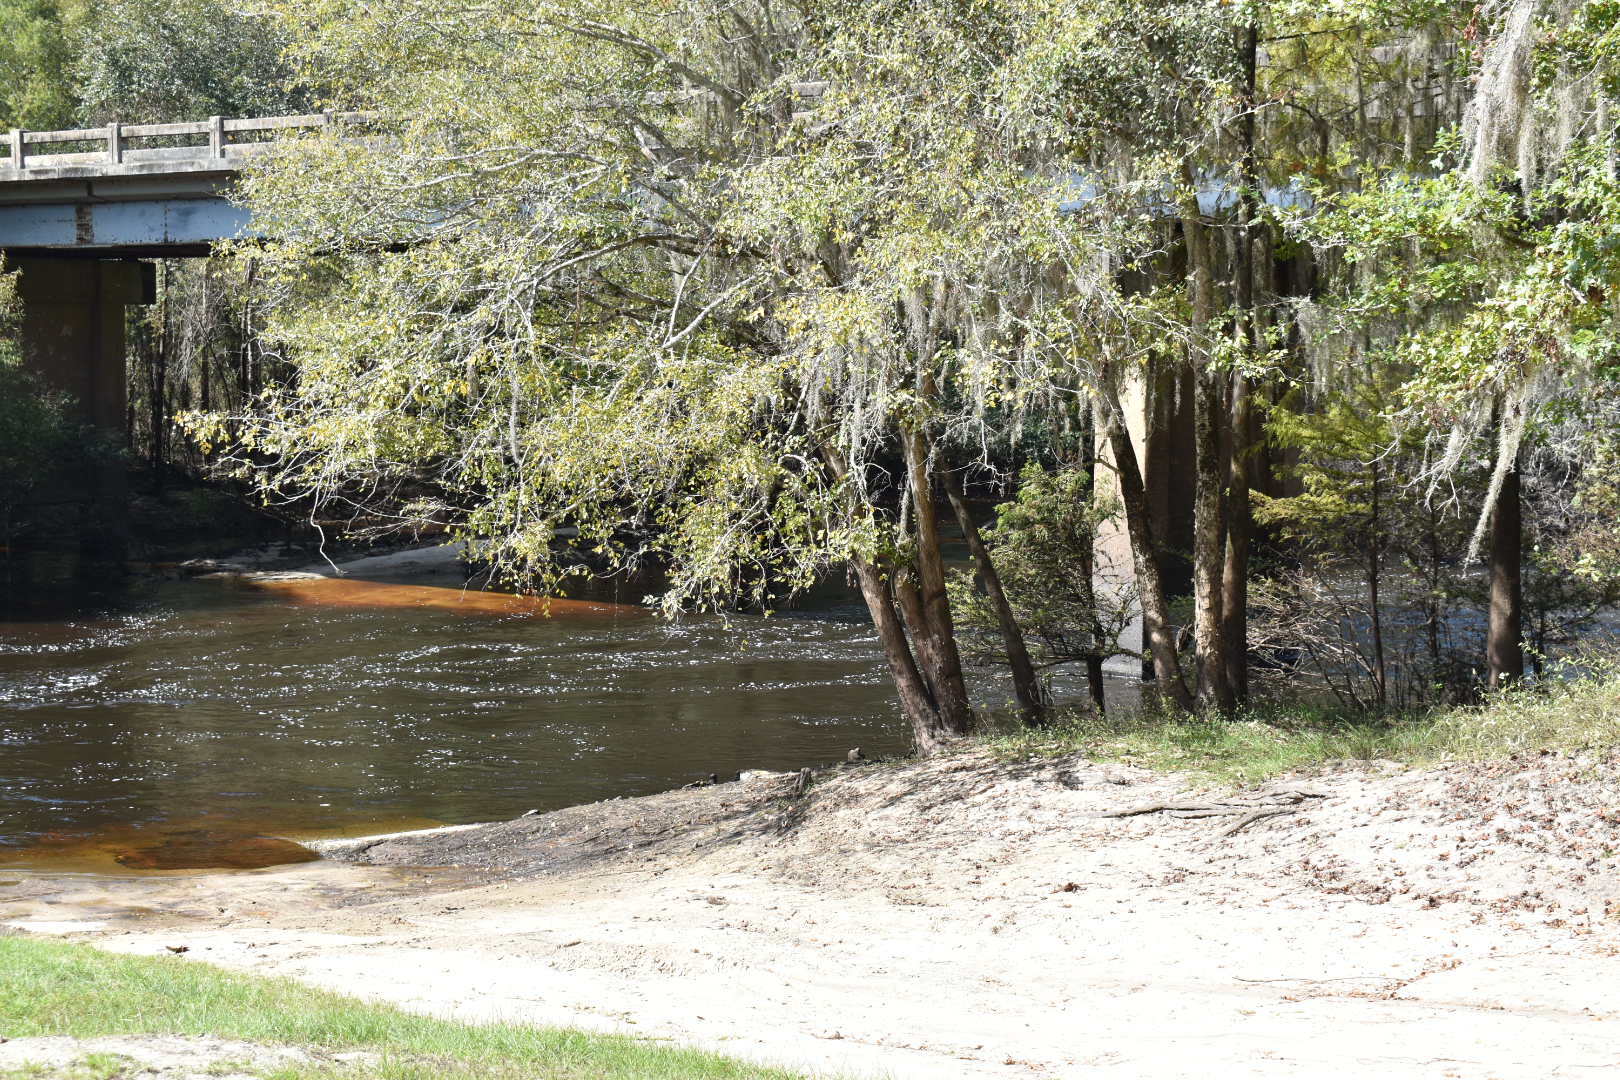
<point>1580,714</point>
<point>54,988</point>
<point>92,1067</point>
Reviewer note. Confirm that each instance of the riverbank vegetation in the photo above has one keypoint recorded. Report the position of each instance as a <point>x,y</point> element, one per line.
<point>764,294</point>
<point>1283,334</point>
<point>55,989</point>
<point>1575,715</point>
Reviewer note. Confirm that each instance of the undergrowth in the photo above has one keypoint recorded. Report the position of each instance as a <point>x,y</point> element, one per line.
<point>1579,713</point>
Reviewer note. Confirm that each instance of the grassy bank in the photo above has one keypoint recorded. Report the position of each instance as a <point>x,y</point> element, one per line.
<point>1577,715</point>
<point>52,988</point>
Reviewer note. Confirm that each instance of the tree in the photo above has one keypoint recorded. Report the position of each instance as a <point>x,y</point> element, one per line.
<point>533,317</point>
<point>35,57</point>
<point>1358,517</point>
<point>727,290</point>
<point>150,61</point>
<point>1043,543</point>
<point>140,61</point>
<point>1497,272</point>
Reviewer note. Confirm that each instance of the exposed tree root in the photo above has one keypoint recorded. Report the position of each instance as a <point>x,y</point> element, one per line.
<point>1258,807</point>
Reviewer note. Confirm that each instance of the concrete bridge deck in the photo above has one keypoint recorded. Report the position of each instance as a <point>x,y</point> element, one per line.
<point>134,190</point>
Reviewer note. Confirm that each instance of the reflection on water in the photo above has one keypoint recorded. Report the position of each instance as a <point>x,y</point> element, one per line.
<point>340,592</point>
<point>163,845</point>
<point>213,713</point>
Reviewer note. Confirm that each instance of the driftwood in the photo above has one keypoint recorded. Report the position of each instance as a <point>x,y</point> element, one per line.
<point>1258,807</point>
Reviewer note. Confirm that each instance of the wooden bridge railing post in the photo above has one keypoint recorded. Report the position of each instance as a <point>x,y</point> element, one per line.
<point>115,143</point>
<point>16,138</point>
<point>216,136</point>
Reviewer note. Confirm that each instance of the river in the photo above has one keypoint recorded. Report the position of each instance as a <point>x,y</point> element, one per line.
<point>193,715</point>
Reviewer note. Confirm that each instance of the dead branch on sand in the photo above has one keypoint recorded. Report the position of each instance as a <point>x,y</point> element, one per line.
<point>1258,807</point>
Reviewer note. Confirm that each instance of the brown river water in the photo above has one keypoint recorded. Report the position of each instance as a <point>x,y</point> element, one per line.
<point>195,723</point>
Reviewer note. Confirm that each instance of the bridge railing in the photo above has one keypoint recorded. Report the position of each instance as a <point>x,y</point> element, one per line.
<point>221,140</point>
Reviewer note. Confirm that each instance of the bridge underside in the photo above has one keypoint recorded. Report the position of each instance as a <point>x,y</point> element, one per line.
<point>135,216</point>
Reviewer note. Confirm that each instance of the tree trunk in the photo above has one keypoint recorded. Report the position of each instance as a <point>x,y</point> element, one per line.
<point>908,598</point>
<point>1144,555</point>
<point>1504,644</point>
<point>1087,557</point>
<point>1027,688</point>
<point>1375,569</point>
<point>1209,555</point>
<point>1433,606</point>
<point>1239,514</point>
<point>1239,528</point>
<point>1538,647</point>
<point>927,730</point>
<point>1097,685</point>
<point>941,655</point>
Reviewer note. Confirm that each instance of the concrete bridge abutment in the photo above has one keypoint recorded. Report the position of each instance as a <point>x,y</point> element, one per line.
<point>71,333</point>
<point>72,328</point>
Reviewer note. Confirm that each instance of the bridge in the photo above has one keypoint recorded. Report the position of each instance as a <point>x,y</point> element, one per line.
<point>79,211</point>
<point>133,190</point>
<point>80,208</point>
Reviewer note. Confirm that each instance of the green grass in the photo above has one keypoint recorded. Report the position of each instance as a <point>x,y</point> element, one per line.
<point>92,1067</point>
<point>53,988</point>
<point>1575,715</point>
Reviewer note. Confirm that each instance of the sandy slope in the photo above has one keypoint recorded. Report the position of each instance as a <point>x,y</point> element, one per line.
<point>962,917</point>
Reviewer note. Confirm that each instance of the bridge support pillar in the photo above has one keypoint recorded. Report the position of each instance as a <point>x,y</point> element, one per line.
<point>72,336</point>
<point>72,330</point>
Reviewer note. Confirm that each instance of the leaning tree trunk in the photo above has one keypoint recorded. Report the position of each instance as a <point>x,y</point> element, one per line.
<point>1145,559</point>
<point>1504,642</point>
<point>940,655</point>
<point>1027,688</point>
<point>928,731</point>
<point>924,644</point>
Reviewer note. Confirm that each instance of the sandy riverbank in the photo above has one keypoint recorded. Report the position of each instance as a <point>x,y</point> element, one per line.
<point>964,917</point>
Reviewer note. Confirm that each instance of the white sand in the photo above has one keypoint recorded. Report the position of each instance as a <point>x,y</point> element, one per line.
<point>964,919</point>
